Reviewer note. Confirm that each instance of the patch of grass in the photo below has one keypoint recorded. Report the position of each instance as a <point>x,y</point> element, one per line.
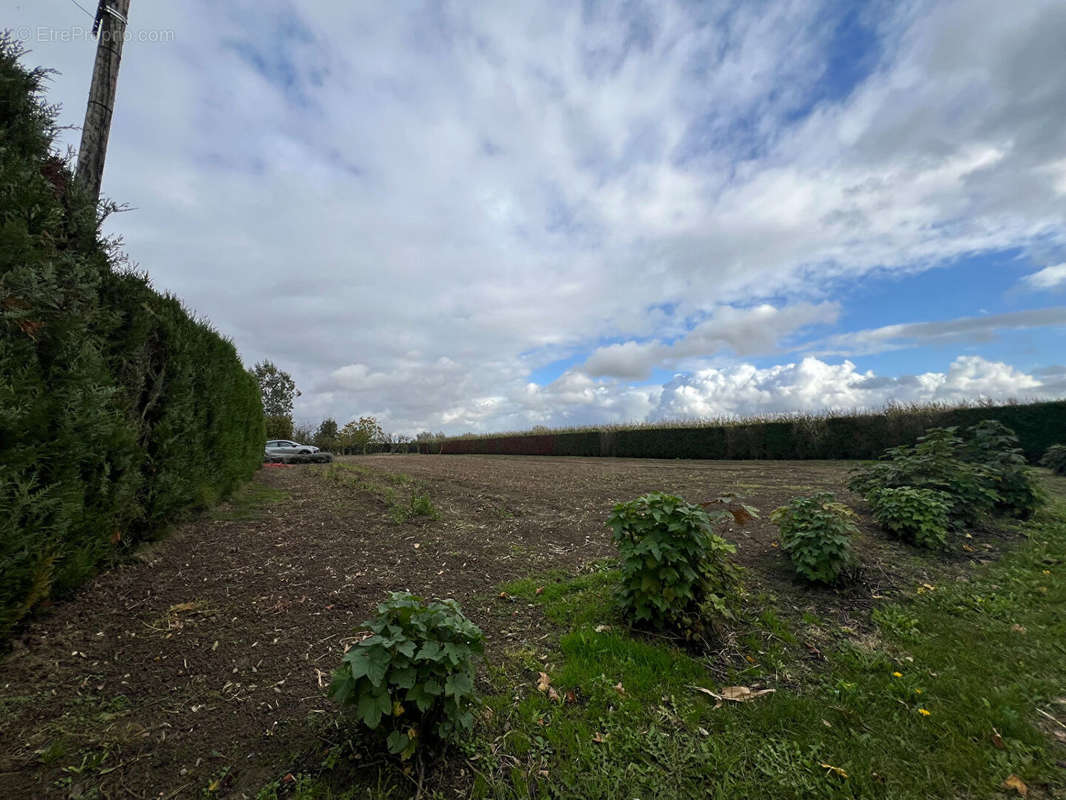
<point>250,502</point>
<point>943,702</point>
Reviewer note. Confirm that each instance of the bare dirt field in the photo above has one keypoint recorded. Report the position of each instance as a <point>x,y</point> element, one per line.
<point>201,666</point>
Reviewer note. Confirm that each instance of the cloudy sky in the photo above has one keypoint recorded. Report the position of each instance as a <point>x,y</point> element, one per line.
<point>489,216</point>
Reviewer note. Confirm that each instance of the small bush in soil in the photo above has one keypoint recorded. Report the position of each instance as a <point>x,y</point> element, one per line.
<point>412,678</point>
<point>816,534</point>
<point>1055,459</point>
<point>918,516</point>
<point>995,446</point>
<point>677,574</point>
<point>937,461</point>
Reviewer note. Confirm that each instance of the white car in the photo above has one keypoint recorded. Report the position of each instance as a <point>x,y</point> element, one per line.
<point>287,451</point>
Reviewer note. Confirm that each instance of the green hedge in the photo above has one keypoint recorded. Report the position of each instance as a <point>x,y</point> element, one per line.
<point>117,409</point>
<point>859,436</point>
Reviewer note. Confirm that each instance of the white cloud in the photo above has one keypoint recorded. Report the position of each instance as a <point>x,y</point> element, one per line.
<point>916,334</point>
<point>1047,278</point>
<point>357,191</point>
<point>813,385</point>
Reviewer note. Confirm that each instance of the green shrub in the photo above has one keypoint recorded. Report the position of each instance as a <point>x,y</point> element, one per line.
<point>937,461</point>
<point>676,572</point>
<point>413,677</point>
<point>918,516</point>
<point>118,410</point>
<point>816,534</point>
<point>1055,459</point>
<point>995,446</point>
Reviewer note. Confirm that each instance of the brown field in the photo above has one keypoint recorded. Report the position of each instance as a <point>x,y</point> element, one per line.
<point>205,659</point>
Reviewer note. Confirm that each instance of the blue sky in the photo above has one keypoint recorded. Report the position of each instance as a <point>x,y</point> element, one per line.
<point>484,217</point>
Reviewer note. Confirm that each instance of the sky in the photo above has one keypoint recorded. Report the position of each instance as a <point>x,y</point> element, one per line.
<point>482,217</point>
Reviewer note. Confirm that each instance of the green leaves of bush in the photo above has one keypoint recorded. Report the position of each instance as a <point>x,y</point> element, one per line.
<point>918,516</point>
<point>413,676</point>
<point>985,474</point>
<point>939,460</point>
<point>676,572</point>
<point>816,534</point>
<point>996,446</point>
<point>1055,459</point>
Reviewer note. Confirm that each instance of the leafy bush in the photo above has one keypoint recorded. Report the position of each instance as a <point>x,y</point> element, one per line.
<point>995,446</point>
<point>1055,459</point>
<point>918,516</point>
<point>676,572</point>
<point>413,677</point>
<point>816,534</point>
<point>118,410</point>
<point>937,461</point>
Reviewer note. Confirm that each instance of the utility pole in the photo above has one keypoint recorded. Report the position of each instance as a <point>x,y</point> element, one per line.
<point>110,30</point>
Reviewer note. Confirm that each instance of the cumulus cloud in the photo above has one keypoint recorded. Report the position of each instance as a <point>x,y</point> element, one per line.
<point>812,385</point>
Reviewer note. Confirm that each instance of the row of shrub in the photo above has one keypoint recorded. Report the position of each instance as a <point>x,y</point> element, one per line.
<point>919,493</point>
<point>857,436</point>
<point>117,409</point>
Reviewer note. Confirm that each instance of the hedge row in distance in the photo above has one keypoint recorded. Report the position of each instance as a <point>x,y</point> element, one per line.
<point>117,409</point>
<point>859,436</point>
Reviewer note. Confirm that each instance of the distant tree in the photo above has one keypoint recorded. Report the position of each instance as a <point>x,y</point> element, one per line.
<point>403,442</point>
<point>361,433</point>
<point>278,426</point>
<point>277,388</point>
<point>302,433</point>
<point>326,435</point>
<point>278,391</point>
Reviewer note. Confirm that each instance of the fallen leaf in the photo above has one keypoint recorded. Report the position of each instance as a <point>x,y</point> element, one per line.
<point>540,590</point>
<point>602,628</point>
<point>997,740</point>
<point>543,682</point>
<point>733,694</point>
<point>836,770</point>
<point>599,738</point>
<point>554,695</point>
<point>741,694</point>
<point>1016,628</point>
<point>1017,784</point>
<point>571,698</point>
<point>618,687</point>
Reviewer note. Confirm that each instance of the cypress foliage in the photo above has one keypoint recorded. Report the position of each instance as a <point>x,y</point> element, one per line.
<point>857,436</point>
<point>117,409</point>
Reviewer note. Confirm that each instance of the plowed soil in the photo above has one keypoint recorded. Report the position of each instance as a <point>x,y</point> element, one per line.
<point>200,666</point>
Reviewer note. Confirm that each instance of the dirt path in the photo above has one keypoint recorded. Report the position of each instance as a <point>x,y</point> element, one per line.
<point>203,664</point>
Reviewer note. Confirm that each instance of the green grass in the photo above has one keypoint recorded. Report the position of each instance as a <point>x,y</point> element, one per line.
<point>250,502</point>
<point>979,656</point>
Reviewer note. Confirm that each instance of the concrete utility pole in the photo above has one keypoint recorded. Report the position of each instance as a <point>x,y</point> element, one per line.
<point>110,29</point>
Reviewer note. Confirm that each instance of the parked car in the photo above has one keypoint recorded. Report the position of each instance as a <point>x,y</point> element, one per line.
<point>286,451</point>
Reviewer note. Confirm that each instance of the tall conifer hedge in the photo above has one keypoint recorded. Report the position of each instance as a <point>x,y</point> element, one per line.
<point>118,410</point>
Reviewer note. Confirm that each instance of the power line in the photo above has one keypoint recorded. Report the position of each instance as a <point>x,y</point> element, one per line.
<point>83,8</point>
